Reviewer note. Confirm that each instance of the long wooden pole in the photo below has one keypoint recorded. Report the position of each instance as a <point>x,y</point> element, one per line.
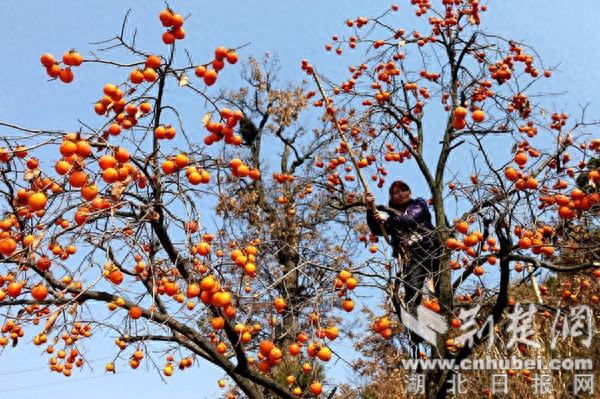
<point>363,182</point>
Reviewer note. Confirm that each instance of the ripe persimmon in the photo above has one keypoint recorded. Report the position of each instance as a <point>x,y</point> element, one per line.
<point>168,37</point>
<point>145,107</point>
<point>218,64</point>
<point>179,33</point>
<point>316,388</point>
<point>136,76</point>
<point>521,158</point>
<point>511,174</point>
<point>78,178</point>
<point>116,277</point>
<point>200,71</point>
<point>121,154</point>
<point>208,283</point>
<point>150,75</point>
<point>68,148</point>
<point>220,53</point>
<point>135,312</point>
<point>110,175</point>
<point>66,75</point>
<point>210,77</point>
<point>37,201</point>
<point>47,60</point>
<point>232,57</point>
<point>53,71</point>
<point>203,248</point>
<point>39,292</point>
<point>107,161</point>
<point>84,149</point>
<point>114,129</point>
<point>460,113</point>
<point>462,227</point>
<point>478,116</point>
<point>153,61</point>
<point>181,160</point>
<point>14,289</point>
<point>89,192</point>
<point>166,17</point>
<point>242,171</point>
<point>160,132</point>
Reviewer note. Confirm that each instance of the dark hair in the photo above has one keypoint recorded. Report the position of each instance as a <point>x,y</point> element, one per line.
<point>399,183</point>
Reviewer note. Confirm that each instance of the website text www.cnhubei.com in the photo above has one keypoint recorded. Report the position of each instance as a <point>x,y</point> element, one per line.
<point>488,363</point>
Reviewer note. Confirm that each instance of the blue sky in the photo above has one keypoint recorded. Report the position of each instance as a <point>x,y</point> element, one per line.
<point>563,34</point>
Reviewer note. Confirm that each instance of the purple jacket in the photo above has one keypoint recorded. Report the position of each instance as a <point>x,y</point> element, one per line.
<point>402,225</point>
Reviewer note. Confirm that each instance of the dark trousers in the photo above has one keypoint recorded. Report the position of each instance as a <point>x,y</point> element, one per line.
<point>422,261</point>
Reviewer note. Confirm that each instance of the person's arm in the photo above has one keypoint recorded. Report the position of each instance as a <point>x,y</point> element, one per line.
<point>416,214</point>
<point>374,225</point>
<point>374,221</point>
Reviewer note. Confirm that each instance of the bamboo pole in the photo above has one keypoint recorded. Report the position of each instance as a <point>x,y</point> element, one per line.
<point>350,153</point>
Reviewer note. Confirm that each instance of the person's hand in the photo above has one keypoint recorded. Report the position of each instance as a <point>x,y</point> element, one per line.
<point>381,217</point>
<point>369,200</point>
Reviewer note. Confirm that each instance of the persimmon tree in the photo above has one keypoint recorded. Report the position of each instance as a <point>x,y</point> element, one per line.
<point>215,247</point>
<point>241,246</point>
<point>432,96</point>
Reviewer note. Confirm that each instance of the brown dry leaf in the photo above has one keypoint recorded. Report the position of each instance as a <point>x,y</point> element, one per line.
<point>206,118</point>
<point>73,310</point>
<point>31,174</point>
<point>154,216</point>
<point>183,79</point>
<point>37,240</point>
<point>119,187</point>
<point>51,320</point>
